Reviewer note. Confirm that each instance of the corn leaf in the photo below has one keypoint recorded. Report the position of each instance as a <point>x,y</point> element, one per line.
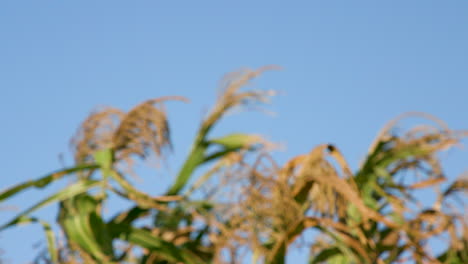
<point>196,157</point>
<point>166,250</point>
<point>45,180</point>
<point>63,194</point>
<point>84,227</point>
<point>325,255</point>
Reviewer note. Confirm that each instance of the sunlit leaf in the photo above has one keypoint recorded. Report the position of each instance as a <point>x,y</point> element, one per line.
<point>85,228</point>
<point>66,193</point>
<point>44,181</point>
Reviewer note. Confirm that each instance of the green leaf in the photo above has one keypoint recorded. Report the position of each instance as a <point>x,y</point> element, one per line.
<point>45,180</point>
<point>164,249</point>
<point>129,216</point>
<point>235,140</point>
<point>325,255</point>
<point>196,157</point>
<point>84,227</point>
<point>63,194</point>
<point>231,143</point>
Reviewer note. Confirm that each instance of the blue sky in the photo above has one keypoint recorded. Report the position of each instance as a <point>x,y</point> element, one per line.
<point>348,68</point>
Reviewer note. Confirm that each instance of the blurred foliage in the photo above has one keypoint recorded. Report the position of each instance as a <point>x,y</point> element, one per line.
<point>241,204</point>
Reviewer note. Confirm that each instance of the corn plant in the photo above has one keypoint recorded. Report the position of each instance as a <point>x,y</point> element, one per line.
<point>231,200</point>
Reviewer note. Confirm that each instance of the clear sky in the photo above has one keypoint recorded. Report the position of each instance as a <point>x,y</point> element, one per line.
<point>349,67</point>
